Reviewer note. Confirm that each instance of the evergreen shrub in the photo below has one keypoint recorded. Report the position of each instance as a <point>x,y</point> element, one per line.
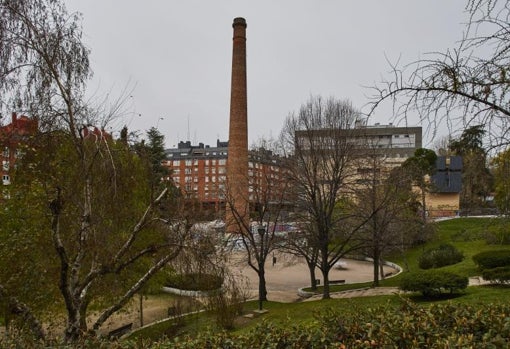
<point>500,275</point>
<point>443,255</point>
<point>433,282</point>
<point>492,259</point>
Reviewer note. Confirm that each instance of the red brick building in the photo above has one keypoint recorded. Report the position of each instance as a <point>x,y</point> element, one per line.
<point>12,137</point>
<point>200,171</point>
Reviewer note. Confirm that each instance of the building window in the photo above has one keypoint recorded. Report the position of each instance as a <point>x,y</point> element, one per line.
<point>177,162</point>
<point>207,162</point>
<point>5,165</point>
<point>221,170</point>
<point>187,170</point>
<point>6,152</point>
<point>188,163</point>
<point>222,162</point>
<point>213,170</point>
<point>195,162</point>
<point>6,179</point>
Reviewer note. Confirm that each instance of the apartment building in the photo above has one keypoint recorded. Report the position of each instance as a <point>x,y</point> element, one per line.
<point>201,171</point>
<point>12,137</point>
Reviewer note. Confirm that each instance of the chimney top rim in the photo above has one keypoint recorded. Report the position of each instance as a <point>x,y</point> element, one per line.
<point>239,21</point>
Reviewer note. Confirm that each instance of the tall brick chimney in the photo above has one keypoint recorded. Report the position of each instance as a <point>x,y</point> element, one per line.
<point>237,171</point>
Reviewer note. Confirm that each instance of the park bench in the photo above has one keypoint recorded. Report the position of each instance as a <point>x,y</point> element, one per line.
<point>337,281</point>
<point>120,331</point>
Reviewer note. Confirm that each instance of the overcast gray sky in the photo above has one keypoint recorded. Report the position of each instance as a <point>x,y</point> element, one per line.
<point>177,55</point>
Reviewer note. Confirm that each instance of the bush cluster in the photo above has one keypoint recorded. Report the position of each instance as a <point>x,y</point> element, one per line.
<point>195,282</point>
<point>433,282</point>
<point>495,265</point>
<point>499,234</point>
<point>441,256</point>
<point>435,326</point>
<point>498,275</point>
<point>492,259</point>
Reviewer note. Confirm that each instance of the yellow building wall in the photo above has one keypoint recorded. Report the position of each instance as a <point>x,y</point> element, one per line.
<point>442,204</point>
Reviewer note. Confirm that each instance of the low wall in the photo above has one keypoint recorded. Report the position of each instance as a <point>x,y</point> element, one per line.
<point>305,294</point>
<point>190,293</point>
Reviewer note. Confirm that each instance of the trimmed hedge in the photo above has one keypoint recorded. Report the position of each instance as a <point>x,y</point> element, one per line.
<point>500,275</point>
<point>433,282</point>
<point>492,259</point>
<point>414,326</point>
<point>443,255</point>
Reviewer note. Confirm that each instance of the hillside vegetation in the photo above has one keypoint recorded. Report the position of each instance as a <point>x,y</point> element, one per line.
<point>396,321</point>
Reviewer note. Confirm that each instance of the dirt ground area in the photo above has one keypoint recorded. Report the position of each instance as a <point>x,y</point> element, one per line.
<point>290,273</point>
<point>283,279</point>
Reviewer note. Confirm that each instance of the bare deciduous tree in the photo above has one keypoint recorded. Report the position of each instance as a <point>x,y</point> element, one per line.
<point>464,86</point>
<point>268,198</point>
<point>321,144</point>
<point>383,203</point>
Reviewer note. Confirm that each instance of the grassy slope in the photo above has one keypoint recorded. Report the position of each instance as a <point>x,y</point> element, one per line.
<point>465,233</point>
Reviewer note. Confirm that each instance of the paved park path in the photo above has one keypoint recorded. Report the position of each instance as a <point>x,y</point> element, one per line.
<point>290,273</point>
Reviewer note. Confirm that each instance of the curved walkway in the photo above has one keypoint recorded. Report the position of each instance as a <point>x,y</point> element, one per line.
<point>289,273</point>
<point>360,292</point>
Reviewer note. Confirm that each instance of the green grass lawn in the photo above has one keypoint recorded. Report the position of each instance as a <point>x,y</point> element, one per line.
<point>304,313</point>
<point>467,234</point>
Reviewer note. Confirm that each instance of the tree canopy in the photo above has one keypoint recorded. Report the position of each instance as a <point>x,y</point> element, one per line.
<point>319,141</point>
<point>81,224</point>
<point>461,87</point>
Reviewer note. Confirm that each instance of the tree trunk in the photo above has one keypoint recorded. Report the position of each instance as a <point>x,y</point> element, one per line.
<point>262,282</point>
<point>73,330</point>
<point>313,279</point>
<point>141,310</point>
<point>83,315</point>
<point>376,258</point>
<point>325,272</point>
<point>424,207</point>
<point>325,277</point>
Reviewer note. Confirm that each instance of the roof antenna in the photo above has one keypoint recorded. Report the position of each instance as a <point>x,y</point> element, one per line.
<point>189,139</point>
